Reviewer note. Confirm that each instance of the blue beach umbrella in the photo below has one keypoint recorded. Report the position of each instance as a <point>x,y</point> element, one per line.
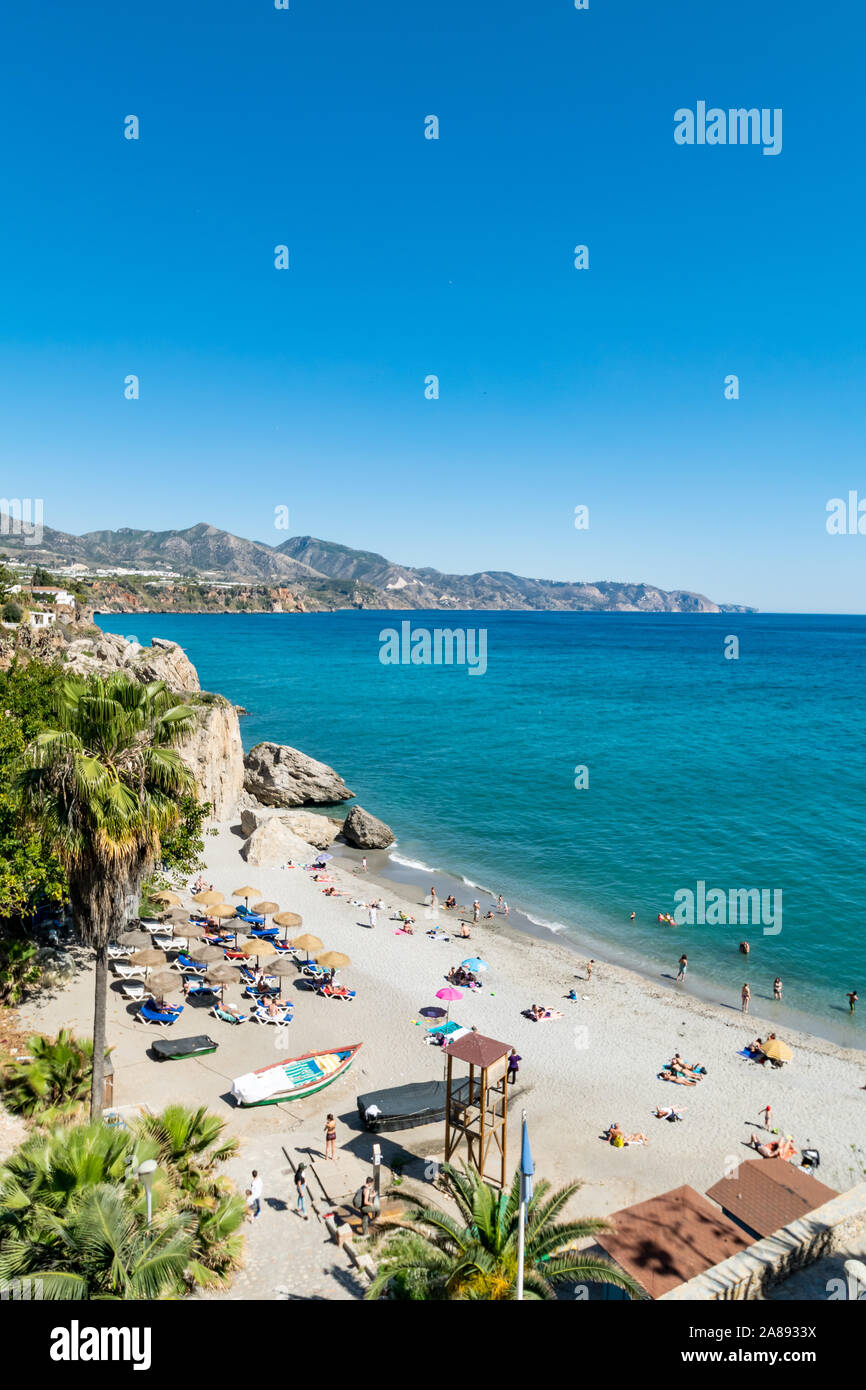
<point>475,963</point>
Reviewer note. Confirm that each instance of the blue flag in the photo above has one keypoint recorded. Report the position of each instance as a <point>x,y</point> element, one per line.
<point>527,1167</point>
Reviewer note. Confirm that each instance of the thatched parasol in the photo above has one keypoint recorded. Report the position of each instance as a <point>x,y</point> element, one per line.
<point>206,954</point>
<point>163,982</point>
<point>178,916</point>
<point>307,944</point>
<point>265,909</point>
<point>333,960</point>
<point>165,896</point>
<point>222,974</point>
<point>209,898</point>
<point>190,931</point>
<point>148,958</point>
<point>281,968</point>
<point>288,919</point>
<point>223,910</point>
<point>246,893</point>
<point>135,939</point>
<point>259,947</point>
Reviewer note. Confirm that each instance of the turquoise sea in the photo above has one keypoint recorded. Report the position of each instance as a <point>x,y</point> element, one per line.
<point>745,773</point>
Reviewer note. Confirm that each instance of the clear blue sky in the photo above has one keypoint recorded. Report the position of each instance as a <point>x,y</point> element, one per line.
<point>409,257</point>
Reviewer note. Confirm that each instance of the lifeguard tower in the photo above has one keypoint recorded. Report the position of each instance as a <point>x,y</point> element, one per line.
<point>476,1110</point>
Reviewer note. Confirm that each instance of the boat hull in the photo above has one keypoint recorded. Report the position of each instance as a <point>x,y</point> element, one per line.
<point>301,1089</point>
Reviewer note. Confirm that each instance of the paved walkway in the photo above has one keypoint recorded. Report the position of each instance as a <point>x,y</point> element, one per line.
<point>287,1257</point>
<point>823,1280</point>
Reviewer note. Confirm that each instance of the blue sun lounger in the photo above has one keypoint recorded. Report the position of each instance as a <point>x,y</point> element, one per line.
<point>148,1014</point>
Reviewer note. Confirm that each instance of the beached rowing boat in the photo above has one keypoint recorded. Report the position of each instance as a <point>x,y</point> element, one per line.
<point>294,1078</point>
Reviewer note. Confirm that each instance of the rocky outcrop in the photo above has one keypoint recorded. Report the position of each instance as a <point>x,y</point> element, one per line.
<point>319,831</point>
<point>366,832</point>
<point>273,843</point>
<point>107,651</point>
<point>215,756</point>
<point>277,775</point>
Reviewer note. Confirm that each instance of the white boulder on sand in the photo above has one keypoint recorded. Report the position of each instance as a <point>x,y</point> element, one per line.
<point>366,832</point>
<point>273,843</point>
<point>277,775</point>
<point>319,831</point>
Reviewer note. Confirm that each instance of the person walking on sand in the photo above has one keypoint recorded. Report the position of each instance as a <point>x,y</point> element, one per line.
<point>476,910</point>
<point>683,967</point>
<point>330,1136</point>
<point>433,898</point>
<point>514,1060</point>
<point>254,1200</point>
<point>372,914</point>
<point>766,1113</point>
<point>301,1190</point>
<point>589,965</point>
<point>364,864</point>
<point>852,1001</point>
<point>745,995</point>
<point>777,988</point>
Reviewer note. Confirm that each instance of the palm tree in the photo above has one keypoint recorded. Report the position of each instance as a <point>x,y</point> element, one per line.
<point>102,1249</point>
<point>54,1081</point>
<point>73,1213</point>
<point>435,1256</point>
<point>103,788</point>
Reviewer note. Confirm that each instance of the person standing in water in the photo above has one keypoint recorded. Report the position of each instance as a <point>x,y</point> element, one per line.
<point>684,965</point>
<point>852,1001</point>
<point>745,995</point>
<point>777,988</point>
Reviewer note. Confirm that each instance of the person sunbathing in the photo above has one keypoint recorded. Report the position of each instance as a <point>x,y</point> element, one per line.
<point>679,1068</point>
<point>773,1148</point>
<point>538,1012</point>
<point>273,1010</point>
<point>465,932</point>
<point>614,1133</point>
<point>669,1112</point>
<point>667,1075</point>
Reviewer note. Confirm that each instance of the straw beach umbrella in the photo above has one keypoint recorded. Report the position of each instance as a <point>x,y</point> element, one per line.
<point>222,974</point>
<point>246,893</point>
<point>209,898</point>
<point>307,944</point>
<point>333,960</point>
<point>206,955</point>
<point>190,931</point>
<point>266,908</point>
<point>165,896</point>
<point>148,958</point>
<point>288,919</point>
<point>163,982</point>
<point>135,940</point>
<point>281,968</point>
<point>258,947</point>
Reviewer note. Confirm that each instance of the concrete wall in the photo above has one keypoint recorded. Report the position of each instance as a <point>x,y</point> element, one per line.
<point>829,1230</point>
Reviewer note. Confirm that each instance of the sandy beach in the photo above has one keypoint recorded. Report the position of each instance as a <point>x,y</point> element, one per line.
<point>595,1065</point>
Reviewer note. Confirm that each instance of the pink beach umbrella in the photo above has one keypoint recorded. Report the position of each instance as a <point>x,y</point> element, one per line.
<point>449,993</point>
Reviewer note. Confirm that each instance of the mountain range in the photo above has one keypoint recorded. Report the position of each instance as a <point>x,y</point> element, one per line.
<point>369,580</point>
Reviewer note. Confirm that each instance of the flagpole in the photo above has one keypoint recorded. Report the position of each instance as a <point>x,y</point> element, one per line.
<point>521,1228</point>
